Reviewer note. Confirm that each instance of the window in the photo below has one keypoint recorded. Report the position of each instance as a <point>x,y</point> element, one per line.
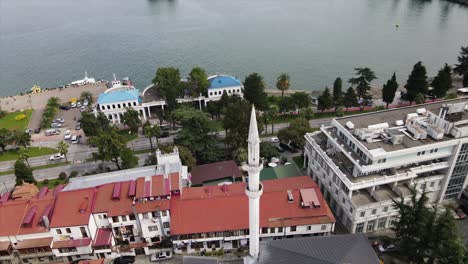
<point>132,217</point>
<point>68,230</point>
<point>359,227</point>
<point>272,230</point>
<point>324,227</point>
<point>351,210</point>
<point>370,225</point>
<point>145,215</point>
<point>381,223</point>
<point>293,228</point>
<point>435,150</point>
<point>264,230</point>
<point>83,232</point>
<point>211,93</point>
<point>363,213</point>
<point>280,229</point>
<point>374,211</point>
<point>166,225</point>
<point>385,209</point>
<point>59,232</point>
<point>124,218</point>
<point>164,213</point>
<point>100,216</point>
<point>432,184</point>
<point>115,219</point>
<point>309,228</point>
<point>153,228</point>
<point>343,200</point>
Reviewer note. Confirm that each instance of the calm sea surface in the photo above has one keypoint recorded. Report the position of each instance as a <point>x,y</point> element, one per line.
<point>52,42</point>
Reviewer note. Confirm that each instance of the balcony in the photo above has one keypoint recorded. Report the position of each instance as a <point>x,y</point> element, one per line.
<point>430,167</point>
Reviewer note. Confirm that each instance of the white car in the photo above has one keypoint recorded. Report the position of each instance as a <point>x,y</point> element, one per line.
<point>57,156</point>
<point>274,140</point>
<point>73,105</point>
<point>67,135</point>
<point>83,108</point>
<point>59,120</point>
<point>85,102</point>
<point>161,256</point>
<point>78,104</point>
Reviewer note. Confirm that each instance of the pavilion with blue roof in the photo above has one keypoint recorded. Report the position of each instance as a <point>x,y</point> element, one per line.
<point>224,83</point>
<point>118,96</point>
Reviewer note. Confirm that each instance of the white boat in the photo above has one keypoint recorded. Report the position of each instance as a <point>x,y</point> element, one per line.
<point>84,81</point>
<point>124,84</point>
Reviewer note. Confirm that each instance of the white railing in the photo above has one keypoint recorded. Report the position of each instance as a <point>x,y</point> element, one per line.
<point>430,167</point>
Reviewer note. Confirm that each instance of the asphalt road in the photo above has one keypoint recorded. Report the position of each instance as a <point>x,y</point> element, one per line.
<point>78,153</point>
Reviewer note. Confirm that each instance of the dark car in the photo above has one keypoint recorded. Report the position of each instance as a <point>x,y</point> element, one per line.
<point>124,260</point>
<point>37,130</point>
<point>164,134</point>
<point>65,107</point>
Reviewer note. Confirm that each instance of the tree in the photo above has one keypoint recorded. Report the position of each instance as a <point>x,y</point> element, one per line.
<point>389,90</point>
<point>420,98</point>
<point>89,124</point>
<point>462,67</point>
<point>465,79</point>
<point>417,82</point>
<point>272,113</point>
<point>308,113</point>
<point>199,81</point>
<point>325,100</point>
<point>6,138</point>
<point>236,123</point>
<point>286,104</point>
<point>362,82</point>
<point>102,121</point>
<point>110,145</point>
<point>268,151</point>
<point>350,98</point>
<point>150,132</point>
<point>53,102</point>
<point>169,85</point>
<point>295,132</point>
<point>131,118</point>
<point>301,100</point>
<point>23,173</point>
<point>63,149</point>
<point>87,96</point>
<point>129,160</point>
<point>337,93</point>
<point>24,155</point>
<point>196,134</point>
<point>254,91</point>
<point>184,153</point>
<point>424,235</point>
<point>240,155</point>
<point>283,83</point>
<point>442,82</point>
<point>22,139</point>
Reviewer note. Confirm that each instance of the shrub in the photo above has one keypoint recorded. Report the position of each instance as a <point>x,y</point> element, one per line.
<point>20,117</point>
<point>56,183</point>
<point>451,96</point>
<point>340,112</point>
<point>379,108</point>
<point>45,182</point>
<point>73,174</point>
<point>62,176</point>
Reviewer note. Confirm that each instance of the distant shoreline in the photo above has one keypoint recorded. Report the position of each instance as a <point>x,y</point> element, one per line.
<point>462,2</point>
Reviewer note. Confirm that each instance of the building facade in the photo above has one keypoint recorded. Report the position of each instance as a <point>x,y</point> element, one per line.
<point>362,162</point>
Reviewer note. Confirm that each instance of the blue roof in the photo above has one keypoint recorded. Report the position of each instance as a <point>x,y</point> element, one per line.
<point>118,96</point>
<point>222,81</point>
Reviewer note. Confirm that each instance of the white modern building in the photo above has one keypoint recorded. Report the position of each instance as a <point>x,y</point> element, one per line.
<point>362,162</point>
<point>221,83</point>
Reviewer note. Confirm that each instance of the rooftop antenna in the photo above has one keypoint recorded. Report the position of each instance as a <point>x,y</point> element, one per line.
<point>86,75</point>
<point>115,78</point>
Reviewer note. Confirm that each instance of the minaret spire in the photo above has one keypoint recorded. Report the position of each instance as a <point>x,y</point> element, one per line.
<point>254,188</point>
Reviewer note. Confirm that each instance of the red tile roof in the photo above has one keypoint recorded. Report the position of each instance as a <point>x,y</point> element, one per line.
<point>91,261</point>
<point>103,237</point>
<point>113,207</point>
<point>215,171</point>
<point>197,211</point>
<point>69,243</point>
<point>34,243</point>
<point>150,206</point>
<point>73,208</point>
<point>174,181</point>
<point>140,188</point>
<point>157,186</point>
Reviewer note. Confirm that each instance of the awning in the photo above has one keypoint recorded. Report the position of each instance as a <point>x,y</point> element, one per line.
<point>4,245</point>
<point>103,237</point>
<point>70,243</point>
<point>34,243</point>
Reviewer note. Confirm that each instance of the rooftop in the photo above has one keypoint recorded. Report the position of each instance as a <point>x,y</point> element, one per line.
<point>336,249</point>
<point>279,172</point>
<point>118,96</point>
<point>73,208</point>
<point>221,208</point>
<point>215,171</point>
<point>223,81</point>
<point>392,115</point>
<point>105,201</point>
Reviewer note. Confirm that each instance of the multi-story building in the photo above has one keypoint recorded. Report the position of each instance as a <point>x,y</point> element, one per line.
<point>215,217</point>
<point>220,84</point>
<point>362,162</point>
<point>24,229</point>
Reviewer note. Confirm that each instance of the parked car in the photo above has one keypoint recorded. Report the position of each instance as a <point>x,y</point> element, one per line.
<point>124,260</point>
<point>28,131</point>
<point>65,107</point>
<point>460,213</point>
<point>164,134</point>
<point>75,139</point>
<point>85,102</point>
<point>57,156</point>
<point>67,135</point>
<point>37,130</point>
<point>56,124</point>
<point>161,256</point>
<point>83,108</point>
<point>274,140</point>
<point>78,126</point>
<point>73,105</point>
<point>386,247</point>
<point>59,120</point>
<point>78,104</point>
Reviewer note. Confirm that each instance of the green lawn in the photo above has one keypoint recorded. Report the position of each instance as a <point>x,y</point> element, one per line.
<point>10,123</point>
<point>129,137</point>
<point>216,125</point>
<point>33,152</point>
<point>58,164</point>
<point>52,183</point>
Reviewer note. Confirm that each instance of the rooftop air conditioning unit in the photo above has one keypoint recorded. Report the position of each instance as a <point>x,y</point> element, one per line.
<point>421,111</point>
<point>399,122</point>
<point>350,125</point>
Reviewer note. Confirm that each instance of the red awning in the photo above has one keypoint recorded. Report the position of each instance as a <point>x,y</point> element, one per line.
<point>5,197</point>
<point>70,243</point>
<point>132,188</point>
<point>42,192</point>
<point>116,192</point>
<point>30,215</point>
<point>103,237</point>
<point>167,186</point>
<point>147,189</point>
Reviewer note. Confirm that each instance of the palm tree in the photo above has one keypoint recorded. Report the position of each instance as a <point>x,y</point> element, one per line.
<point>63,149</point>
<point>22,139</point>
<point>88,96</point>
<point>24,154</point>
<point>283,83</point>
<point>272,113</point>
<point>151,131</point>
<point>53,101</point>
